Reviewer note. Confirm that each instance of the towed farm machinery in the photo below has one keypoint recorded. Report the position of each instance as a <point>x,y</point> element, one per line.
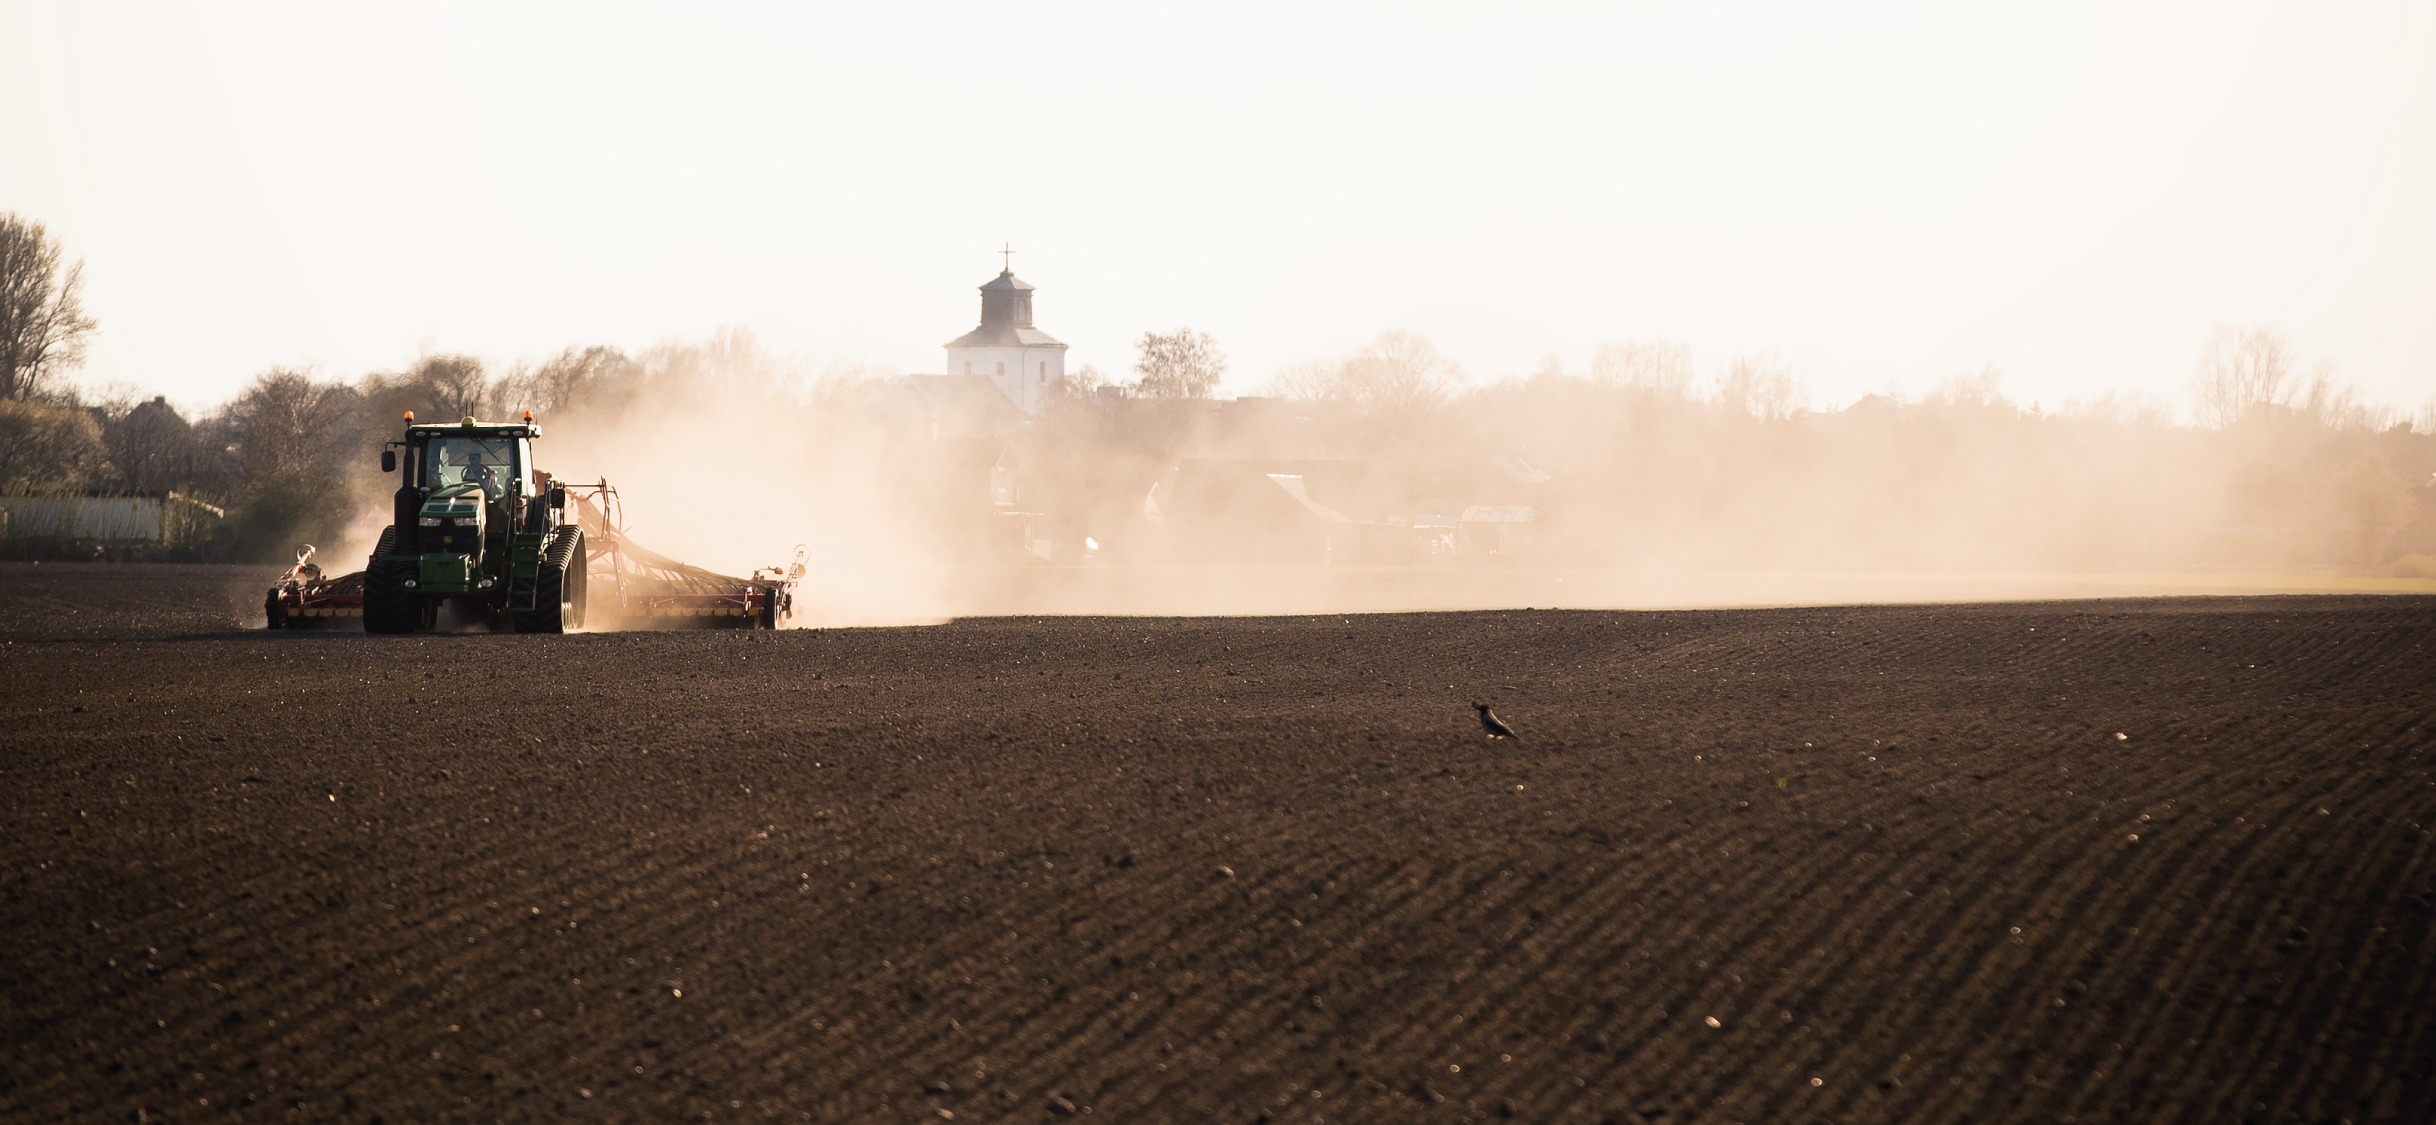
<point>478,535</point>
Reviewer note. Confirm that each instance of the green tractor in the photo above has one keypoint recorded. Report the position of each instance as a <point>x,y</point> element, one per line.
<point>476,525</point>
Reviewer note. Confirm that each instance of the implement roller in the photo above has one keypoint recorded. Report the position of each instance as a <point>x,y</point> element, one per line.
<point>642,589</point>
<point>303,599</point>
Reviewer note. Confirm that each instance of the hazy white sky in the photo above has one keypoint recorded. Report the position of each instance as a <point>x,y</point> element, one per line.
<point>2073,192</point>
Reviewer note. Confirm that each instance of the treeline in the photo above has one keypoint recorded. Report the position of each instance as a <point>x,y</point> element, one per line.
<point>293,457</point>
<point>1958,478</point>
<point>1637,462</point>
<point>1642,461</point>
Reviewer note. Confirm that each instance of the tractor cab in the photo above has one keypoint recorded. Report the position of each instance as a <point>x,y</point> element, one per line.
<point>466,484</point>
<point>497,464</point>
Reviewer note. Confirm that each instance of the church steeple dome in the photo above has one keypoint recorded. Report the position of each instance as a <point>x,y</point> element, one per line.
<point>1007,300</point>
<point>1006,349</point>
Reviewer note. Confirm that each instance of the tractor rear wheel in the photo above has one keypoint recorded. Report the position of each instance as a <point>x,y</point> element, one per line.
<point>577,578</point>
<point>274,615</point>
<point>559,588</point>
<point>389,607</point>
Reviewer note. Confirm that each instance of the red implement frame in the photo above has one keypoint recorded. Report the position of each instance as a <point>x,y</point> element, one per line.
<point>303,599</point>
<point>636,588</point>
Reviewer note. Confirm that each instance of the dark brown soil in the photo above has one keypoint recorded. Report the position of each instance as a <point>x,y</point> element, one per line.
<point>1844,864</point>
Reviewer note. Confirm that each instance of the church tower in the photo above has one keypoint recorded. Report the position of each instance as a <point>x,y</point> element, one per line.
<point>1014,356</point>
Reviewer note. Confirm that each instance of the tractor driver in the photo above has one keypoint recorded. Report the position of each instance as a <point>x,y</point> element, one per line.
<point>475,471</point>
<point>464,461</point>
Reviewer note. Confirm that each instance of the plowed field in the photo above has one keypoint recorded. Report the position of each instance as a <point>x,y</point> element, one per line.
<point>2102,861</point>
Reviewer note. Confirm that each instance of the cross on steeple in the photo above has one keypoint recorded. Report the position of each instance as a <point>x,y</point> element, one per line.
<point>1007,257</point>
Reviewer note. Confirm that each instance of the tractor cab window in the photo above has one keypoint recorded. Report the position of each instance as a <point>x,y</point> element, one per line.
<point>493,463</point>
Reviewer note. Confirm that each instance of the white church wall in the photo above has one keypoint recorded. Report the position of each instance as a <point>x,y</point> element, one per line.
<point>1023,374</point>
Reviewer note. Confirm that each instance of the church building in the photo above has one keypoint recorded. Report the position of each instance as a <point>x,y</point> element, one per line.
<point>1018,359</point>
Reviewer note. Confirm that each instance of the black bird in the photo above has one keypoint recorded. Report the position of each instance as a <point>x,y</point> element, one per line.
<point>1492,724</point>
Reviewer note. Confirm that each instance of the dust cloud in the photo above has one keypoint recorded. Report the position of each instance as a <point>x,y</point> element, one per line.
<point>1364,486</point>
<point>728,457</point>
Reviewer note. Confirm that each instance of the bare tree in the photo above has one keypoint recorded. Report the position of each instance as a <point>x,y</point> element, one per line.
<point>1179,364</point>
<point>153,447</point>
<point>1984,387</point>
<point>2240,370</point>
<point>559,383</point>
<point>1083,384</point>
<point>1763,386</point>
<point>2319,398</point>
<point>730,365</point>
<point>43,326</point>
<point>286,423</point>
<point>47,446</point>
<point>1662,367</point>
<point>294,439</point>
<point>842,383</point>
<point>455,385</point>
<point>1399,375</point>
<point>1312,379</point>
<point>2125,408</point>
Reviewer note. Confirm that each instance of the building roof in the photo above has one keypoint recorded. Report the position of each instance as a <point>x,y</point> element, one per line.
<point>1005,336</point>
<point>969,393</point>
<point>947,405</point>
<point>1006,318</point>
<point>1520,471</point>
<point>1294,486</point>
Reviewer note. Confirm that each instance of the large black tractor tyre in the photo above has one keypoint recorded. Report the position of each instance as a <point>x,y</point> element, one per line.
<point>559,589</point>
<point>389,607</point>
<point>275,616</point>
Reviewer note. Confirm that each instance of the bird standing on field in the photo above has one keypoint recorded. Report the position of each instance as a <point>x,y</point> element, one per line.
<point>1496,727</point>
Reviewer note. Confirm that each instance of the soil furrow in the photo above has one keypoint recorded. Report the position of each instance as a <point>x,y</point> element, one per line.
<point>1818,825</point>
